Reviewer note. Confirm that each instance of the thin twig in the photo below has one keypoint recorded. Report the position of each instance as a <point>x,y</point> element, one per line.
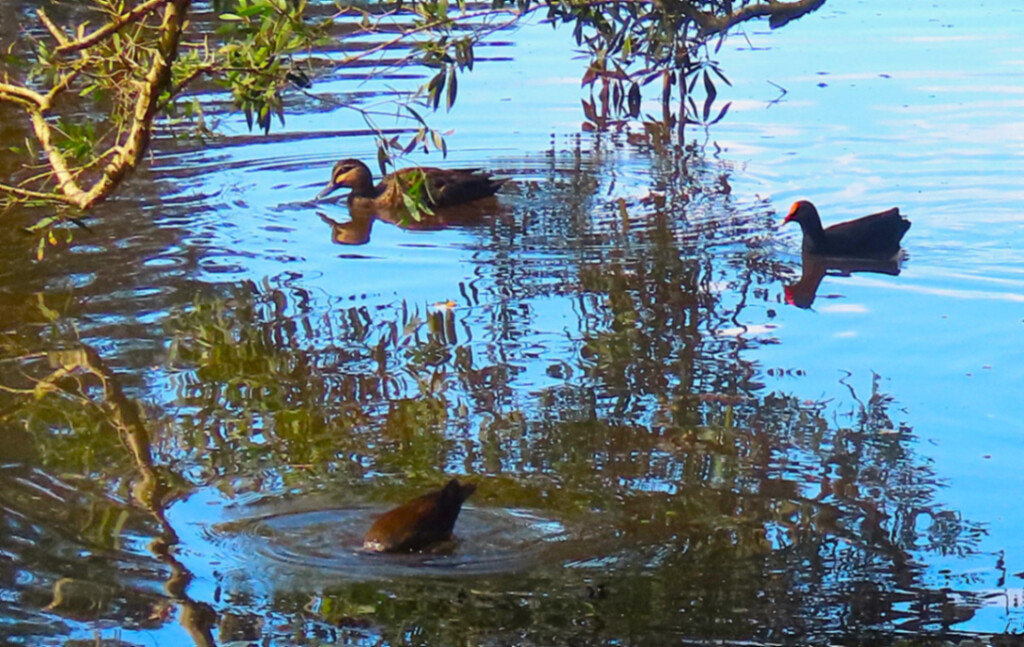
<point>35,195</point>
<point>110,28</point>
<point>55,31</point>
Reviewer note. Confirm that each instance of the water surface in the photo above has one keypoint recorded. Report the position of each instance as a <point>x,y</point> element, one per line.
<point>665,449</point>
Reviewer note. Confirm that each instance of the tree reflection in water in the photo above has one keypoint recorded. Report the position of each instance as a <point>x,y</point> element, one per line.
<point>699,504</point>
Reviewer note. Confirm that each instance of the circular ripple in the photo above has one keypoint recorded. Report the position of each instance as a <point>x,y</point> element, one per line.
<point>329,542</point>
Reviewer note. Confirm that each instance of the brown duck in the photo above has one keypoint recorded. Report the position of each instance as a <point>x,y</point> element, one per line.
<point>420,523</point>
<point>877,235</point>
<point>440,187</point>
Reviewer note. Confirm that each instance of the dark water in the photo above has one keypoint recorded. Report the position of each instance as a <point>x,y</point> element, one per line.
<point>207,398</point>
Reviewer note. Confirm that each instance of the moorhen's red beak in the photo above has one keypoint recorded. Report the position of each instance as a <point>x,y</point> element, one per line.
<point>791,216</point>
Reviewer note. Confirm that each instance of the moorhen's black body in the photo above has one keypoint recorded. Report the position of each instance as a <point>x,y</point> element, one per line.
<point>418,524</point>
<point>874,236</point>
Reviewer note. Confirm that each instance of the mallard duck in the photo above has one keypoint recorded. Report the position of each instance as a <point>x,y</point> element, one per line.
<point>871,236</point>
<point>426,520</point>
<point>440,187</point>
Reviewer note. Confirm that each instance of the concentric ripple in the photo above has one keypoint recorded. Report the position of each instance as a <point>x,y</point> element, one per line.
<point>327,544</point>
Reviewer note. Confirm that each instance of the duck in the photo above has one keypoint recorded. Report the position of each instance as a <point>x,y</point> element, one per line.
<point>438,187</point>
<point>873,236</point>
<point>420,523</point>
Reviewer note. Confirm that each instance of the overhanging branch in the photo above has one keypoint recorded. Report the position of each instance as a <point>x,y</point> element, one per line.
<point>107,30</point>
<point>711,23</point>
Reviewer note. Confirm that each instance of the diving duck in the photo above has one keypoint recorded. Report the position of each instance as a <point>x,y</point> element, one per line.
<point>441,187</point>
<point>419,523</point>
<point>877,235</point>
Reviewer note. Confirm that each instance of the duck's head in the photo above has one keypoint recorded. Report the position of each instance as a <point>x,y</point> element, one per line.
<point>346,173</point>
<point>802,212</point>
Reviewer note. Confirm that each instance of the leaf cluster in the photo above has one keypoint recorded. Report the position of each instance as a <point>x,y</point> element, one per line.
<point>261,37</point>
<point>141,59</point>
<point>634,45</point>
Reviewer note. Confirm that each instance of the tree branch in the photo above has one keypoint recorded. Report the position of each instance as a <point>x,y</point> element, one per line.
<point>429,26</point>
<point>67,47</point>
<point>24,96</point>
<point>55,31</point>
<point>129,153</point>
<point>713,24</point>
<point>35,195</point>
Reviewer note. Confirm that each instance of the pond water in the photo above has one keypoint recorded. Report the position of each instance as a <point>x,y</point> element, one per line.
<point>679,429</point>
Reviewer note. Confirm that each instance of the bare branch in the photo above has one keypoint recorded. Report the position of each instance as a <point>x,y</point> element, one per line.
<point>184,83</point>
<point>430,26</point>
<point>129,153</point>
<point>108,29</point>
<point>39,195</point>
<point>713,24</point>
<point>65,180</point>
<point>55,31</point>
<point>24,96</point>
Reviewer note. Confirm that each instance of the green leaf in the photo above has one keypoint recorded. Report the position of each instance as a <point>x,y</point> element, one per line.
<point>41,224</point>
<point>416,115</point>
<point>453,91</point>
<point>435,87</point>
<point>254,10</point>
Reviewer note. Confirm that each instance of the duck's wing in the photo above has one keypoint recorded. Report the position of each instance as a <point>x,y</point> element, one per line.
<point>457,186</point>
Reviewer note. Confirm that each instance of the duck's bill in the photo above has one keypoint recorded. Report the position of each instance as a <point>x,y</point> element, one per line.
<point>328,190</point>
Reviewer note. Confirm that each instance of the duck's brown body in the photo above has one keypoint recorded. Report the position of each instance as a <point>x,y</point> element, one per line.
<point>437,187</point>
<point>874,236</point>
<point>420,523</point>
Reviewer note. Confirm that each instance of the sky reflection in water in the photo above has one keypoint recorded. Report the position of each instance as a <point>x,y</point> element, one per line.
<point>549,398</point>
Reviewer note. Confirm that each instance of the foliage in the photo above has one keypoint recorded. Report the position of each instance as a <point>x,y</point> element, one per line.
<point>143,58</point>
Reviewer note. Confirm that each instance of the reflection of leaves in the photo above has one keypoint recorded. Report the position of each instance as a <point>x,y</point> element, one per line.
<point>676,474</point>
<point>633,46</point>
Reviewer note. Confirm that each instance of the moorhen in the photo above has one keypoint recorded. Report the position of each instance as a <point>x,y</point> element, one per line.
<point>874,236</point>
<point>418,524</point>
<point>440,187</point>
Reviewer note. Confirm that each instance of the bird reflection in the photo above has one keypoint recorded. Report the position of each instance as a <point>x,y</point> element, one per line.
<point>354,232</point>
<point>802,293</point>
<point>357,230</point>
